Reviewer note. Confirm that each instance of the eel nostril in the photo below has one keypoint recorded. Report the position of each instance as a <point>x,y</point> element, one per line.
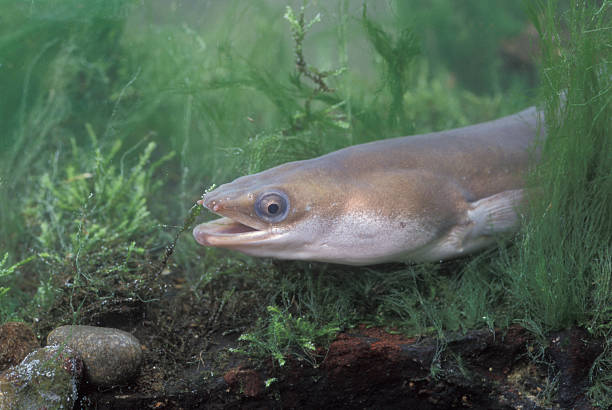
<point>214,205</point>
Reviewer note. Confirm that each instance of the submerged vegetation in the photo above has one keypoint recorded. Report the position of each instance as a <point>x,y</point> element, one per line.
<point>561,271</point>
<point>117,116</point>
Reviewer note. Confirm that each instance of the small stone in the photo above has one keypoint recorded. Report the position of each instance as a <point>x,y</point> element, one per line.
<point>48,378</point>
<point>246,381</point>
<point>110,356</point>
<point>17,340</point>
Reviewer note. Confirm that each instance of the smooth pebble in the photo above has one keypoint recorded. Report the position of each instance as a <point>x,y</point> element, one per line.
<point>110,356</point>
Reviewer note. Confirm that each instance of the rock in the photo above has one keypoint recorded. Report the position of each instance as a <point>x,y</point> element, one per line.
<point>573,352</point>
<point>48,378</point>
<point>16,341</point>
<point>245,381</point>
<point>110,356</point>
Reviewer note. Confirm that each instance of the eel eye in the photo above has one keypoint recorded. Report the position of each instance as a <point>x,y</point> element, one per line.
<point>272,206</point>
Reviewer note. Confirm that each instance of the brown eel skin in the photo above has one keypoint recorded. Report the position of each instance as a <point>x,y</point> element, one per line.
<point>426,197</point>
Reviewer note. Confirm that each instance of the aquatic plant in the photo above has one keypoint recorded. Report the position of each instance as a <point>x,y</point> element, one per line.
<point>560,273</point>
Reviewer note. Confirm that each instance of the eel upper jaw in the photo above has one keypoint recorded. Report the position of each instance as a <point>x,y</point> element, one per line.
<point>226,232</point>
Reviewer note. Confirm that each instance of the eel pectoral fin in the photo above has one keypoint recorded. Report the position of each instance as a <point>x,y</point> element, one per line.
<point>483,220</point>
<point>495,214</point>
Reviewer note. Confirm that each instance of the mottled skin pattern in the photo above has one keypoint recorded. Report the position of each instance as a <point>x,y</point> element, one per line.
<point>420,198</point>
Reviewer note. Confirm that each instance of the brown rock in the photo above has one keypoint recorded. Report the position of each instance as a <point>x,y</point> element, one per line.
<point>17,340</point>
<point>573,352</point>
<point>246,381</point>
<point>111,356</point>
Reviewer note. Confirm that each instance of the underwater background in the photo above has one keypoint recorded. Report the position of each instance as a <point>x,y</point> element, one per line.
<point>117,115</point>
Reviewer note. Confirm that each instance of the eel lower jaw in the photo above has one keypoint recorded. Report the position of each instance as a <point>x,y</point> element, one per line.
<point>226,232</point>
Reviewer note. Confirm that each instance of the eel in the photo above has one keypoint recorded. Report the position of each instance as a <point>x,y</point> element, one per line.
<point>421,198</point>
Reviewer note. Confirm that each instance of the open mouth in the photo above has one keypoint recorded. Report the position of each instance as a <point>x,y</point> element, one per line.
<point>226,232</point>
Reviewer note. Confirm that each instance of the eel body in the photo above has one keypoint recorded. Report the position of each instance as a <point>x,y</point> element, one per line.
<point>421,198</point>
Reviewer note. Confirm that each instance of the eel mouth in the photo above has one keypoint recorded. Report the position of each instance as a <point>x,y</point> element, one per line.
<point>226,232</point>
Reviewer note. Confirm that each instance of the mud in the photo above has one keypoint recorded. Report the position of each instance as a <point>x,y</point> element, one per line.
<point>187,336</point>
<point>188,365</point>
